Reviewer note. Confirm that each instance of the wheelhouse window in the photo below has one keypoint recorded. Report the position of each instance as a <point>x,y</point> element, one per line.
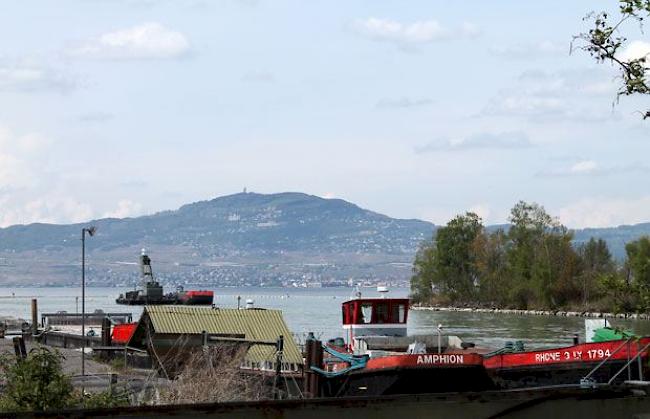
<point>401,311</point>
<point>382,313</point>
<point>366,312</point>
<point>398,314</point>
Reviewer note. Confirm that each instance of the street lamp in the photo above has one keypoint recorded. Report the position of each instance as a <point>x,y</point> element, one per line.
<point>91,232</point>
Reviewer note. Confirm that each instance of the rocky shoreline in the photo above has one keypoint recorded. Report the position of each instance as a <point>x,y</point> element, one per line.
<point>586,314</point>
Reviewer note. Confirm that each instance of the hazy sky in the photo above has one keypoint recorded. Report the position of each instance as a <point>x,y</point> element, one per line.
<point>414,109</point>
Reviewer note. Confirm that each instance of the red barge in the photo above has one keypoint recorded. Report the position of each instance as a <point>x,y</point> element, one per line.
<point>610,362</point>
<point>378,357</point>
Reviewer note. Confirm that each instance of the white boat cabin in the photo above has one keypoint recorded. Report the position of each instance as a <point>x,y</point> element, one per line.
<point>375,317</point>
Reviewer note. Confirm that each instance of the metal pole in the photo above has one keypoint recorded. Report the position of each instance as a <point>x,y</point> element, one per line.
<point>83,302</point>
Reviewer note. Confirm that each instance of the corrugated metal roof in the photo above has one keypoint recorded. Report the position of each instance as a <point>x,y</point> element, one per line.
<point>255,325</point>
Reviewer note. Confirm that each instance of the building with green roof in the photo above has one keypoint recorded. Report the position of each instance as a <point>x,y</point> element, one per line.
<point>167,332</point>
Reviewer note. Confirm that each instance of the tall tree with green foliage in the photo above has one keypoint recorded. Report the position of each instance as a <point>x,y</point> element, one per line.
<point>529,222</point>
<point>491,265</point>
<point>447,263</point>
<point>638,263</point>
<point>454,270</point>
<point>596,261</point>
<point>557,269</point>
<point>542,263</point>
<point>423,272</point>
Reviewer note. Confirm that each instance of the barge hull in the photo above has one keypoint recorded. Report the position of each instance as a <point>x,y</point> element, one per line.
<point>404,380</point>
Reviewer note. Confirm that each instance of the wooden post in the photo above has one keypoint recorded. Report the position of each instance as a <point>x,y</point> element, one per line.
<point>314,358</point>
<point>106,332</point>
<point>34,316</point>
<point>19,347</point>
<point>279,347</point>
<point>309,354</point>
<point>16,347</point>
<point>317,362</point>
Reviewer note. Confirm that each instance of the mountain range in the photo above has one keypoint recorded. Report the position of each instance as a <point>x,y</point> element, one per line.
<point>241,239</point>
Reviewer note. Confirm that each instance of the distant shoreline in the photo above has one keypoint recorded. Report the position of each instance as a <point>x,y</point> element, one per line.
<point>557,313</point>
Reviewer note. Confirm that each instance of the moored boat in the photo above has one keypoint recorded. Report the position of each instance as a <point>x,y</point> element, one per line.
<point>622,357</point>
<point>152,292</point>
<point>380,358</point>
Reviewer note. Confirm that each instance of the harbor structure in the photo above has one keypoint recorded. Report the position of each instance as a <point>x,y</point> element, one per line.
<point>170,332</point>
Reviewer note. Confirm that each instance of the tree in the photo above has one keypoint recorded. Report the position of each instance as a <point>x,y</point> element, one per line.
<point>596,260</point>
<point>638,257</point>
<point>454,270</point>
<point>491,264</point>
<point>447,262</point>
<point>557,269</point>
<point>423,272</point>
<point>528,224</point>
<point>542,261</point>
<point>35,383</point>
<point>638,265</point>
<point>604,43</point>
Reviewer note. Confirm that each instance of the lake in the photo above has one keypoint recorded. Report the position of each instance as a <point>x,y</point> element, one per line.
<point>319,310</point>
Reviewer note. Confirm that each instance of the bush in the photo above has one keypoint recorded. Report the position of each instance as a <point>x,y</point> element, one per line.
<point>35,383</point>
<point>38,383</point>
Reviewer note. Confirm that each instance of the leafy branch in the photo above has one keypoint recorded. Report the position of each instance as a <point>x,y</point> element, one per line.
<point>604,43</point>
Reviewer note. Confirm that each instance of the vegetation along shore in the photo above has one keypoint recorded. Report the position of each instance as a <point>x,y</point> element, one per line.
<point>587,314</point>
<point>529,266</point>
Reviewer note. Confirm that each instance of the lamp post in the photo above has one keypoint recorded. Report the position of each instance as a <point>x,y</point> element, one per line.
<point>91,232</point>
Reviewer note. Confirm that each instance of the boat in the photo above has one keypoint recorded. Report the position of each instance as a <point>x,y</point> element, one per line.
<point>610,356</point>
<point>152,292</point>
<point>378,357</point>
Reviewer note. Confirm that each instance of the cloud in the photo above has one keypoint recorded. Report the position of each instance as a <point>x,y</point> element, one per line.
<point>148,41</point>
<point>560,95</point>
<point>403,103</point>
<point>635,50</point>
<point>419,32</point>
<point>52,208</point>
<point>23,76</point>
<point>530,50</point>
<point>605,212</point>
<point>18,157</point>
<point>592,168</point>
<point>504,140</point>
<point>583,167</point>
<point>125,208</point>
<point>28,194</point>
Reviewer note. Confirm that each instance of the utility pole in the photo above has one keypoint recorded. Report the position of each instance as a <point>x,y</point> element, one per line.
<point>91,232</point>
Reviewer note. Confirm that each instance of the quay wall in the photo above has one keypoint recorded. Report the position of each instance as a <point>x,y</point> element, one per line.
<point>556,404</point>
<point>68,340</point>
<point>585,314</point>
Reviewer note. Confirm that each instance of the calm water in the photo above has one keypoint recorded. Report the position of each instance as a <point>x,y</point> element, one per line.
<point>318,310</point>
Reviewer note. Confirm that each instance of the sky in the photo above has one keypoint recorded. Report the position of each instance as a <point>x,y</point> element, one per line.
<point>419,109</point>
